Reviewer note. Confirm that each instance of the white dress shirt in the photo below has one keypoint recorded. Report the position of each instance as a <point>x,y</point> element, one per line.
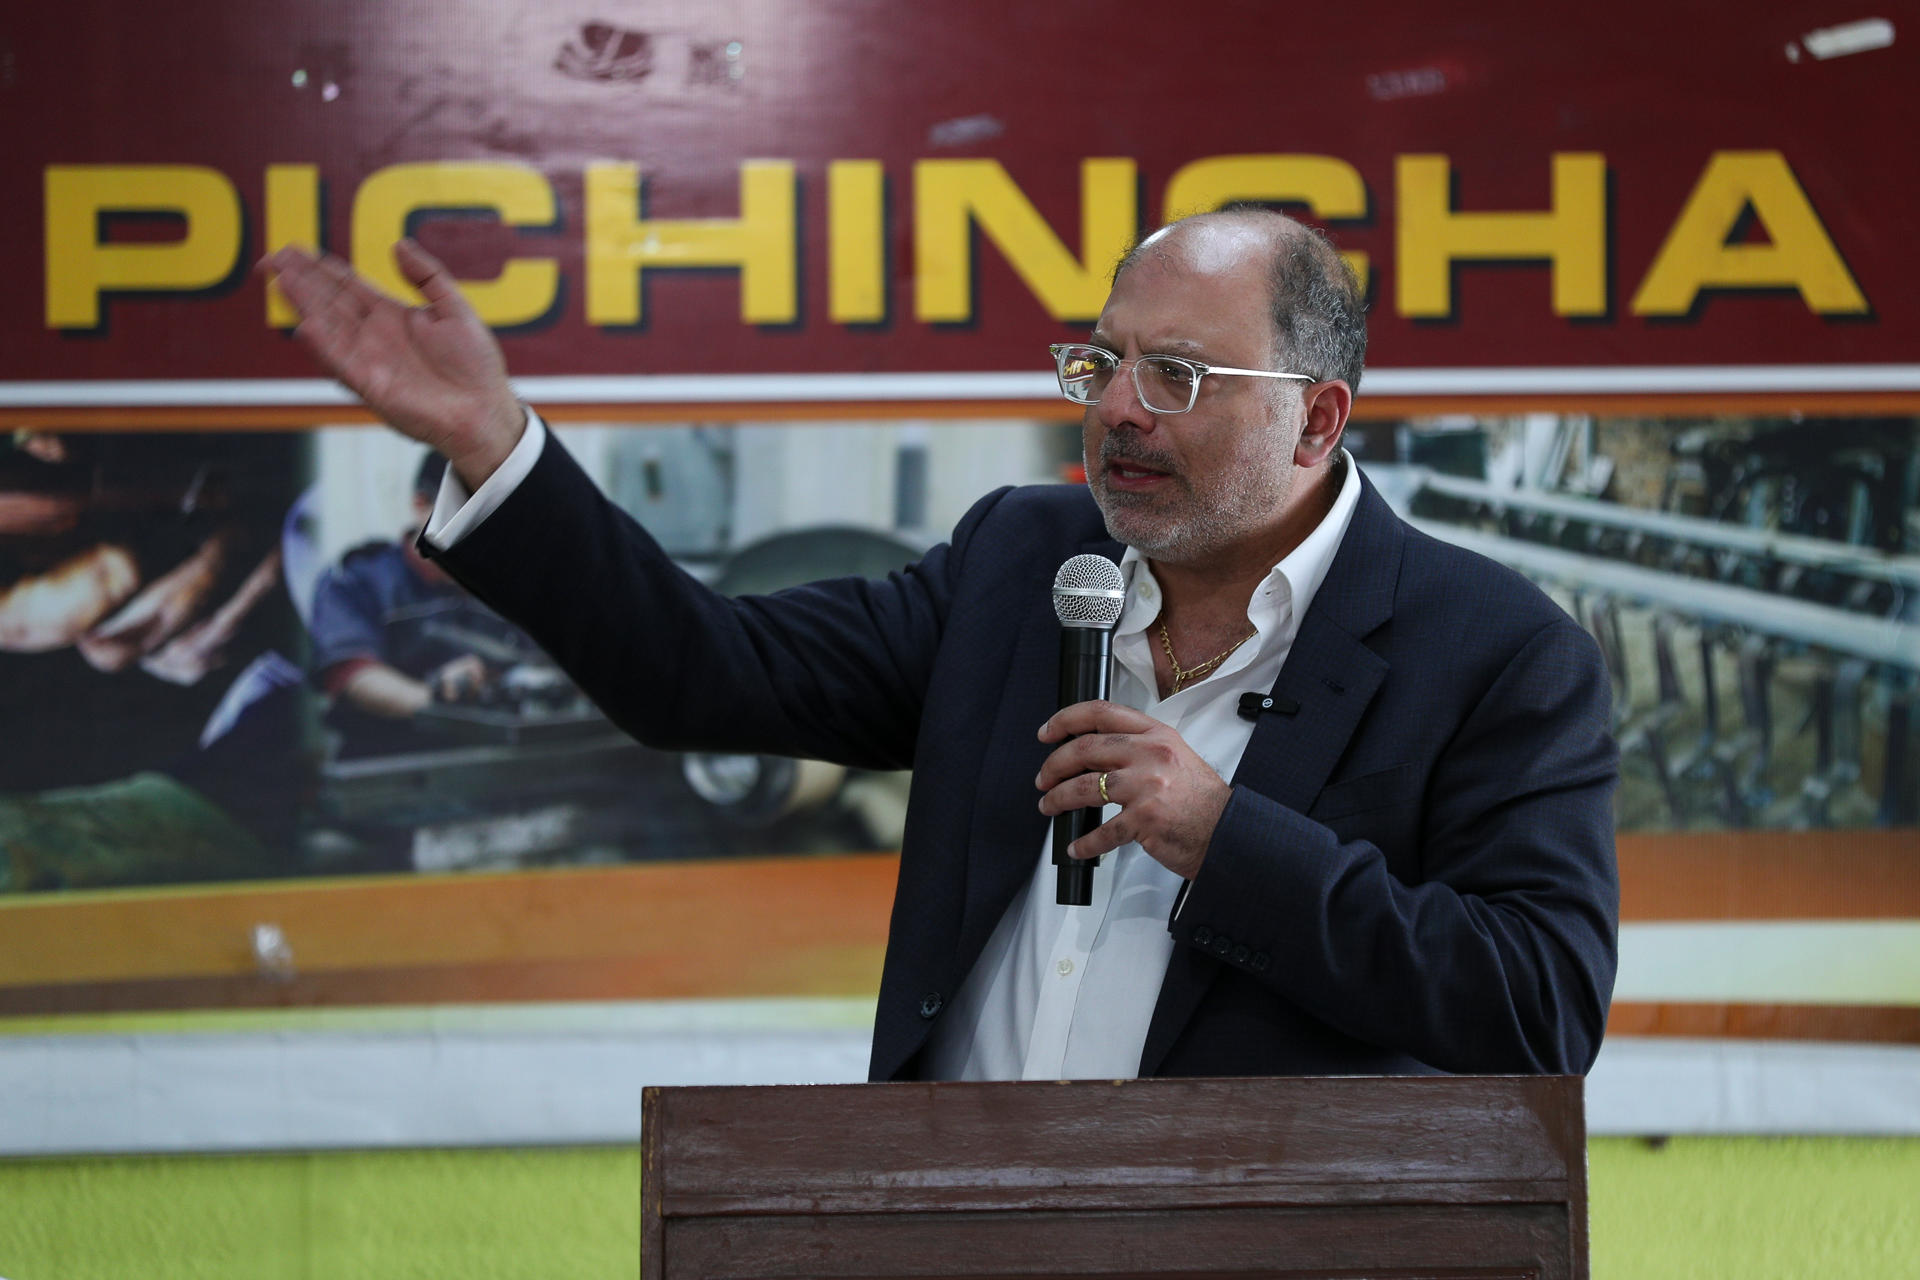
<point>456,513</point>
<point>1063,993</point>
<point>1067,992</point>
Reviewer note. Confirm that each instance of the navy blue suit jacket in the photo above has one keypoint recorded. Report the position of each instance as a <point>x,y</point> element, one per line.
<point>1415,871</point>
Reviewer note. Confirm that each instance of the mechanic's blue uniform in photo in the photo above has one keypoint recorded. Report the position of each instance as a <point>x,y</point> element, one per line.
<point>377,605</point>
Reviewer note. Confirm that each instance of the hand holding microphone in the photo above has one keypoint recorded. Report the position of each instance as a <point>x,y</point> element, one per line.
<point>1170,798</point>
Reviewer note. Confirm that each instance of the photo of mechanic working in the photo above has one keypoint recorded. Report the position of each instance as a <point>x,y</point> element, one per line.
<point>393,638</point>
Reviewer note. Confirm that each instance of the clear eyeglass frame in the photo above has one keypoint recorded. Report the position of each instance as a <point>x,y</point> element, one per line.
<point>1161,382</point>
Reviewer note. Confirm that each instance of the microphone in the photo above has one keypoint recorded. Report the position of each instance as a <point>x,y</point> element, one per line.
<point>1088,595</point>
<point>1254,705</point>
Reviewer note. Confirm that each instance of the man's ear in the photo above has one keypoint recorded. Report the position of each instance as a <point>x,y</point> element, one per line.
<point>1327,405</point>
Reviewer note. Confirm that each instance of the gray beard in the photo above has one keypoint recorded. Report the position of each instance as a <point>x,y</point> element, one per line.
<point>1198,530</point>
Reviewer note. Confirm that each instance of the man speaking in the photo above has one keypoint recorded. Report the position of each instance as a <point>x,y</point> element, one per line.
<point>1396,856</point>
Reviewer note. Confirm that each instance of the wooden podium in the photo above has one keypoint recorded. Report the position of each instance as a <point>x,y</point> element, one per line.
<point>1403,1177</point>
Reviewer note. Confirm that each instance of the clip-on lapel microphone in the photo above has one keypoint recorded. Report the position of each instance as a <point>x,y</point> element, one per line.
<point>1254,705</point>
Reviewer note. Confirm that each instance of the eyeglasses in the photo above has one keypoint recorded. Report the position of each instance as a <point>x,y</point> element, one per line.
<point>1166,384</point>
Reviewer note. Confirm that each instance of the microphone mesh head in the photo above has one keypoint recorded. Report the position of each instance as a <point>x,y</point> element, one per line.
<point>1089,592</point>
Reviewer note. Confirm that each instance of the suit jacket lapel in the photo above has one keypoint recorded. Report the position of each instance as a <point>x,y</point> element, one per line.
<point>1333,676</point>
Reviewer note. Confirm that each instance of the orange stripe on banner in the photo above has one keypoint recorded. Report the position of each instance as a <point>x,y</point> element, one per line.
<point>1874,1024</point>
<point>753,926</point>
<point>852,969</point>
<point>1770,875</point>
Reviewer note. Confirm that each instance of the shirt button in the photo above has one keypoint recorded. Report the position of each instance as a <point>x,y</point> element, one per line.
<point>1065,966</point>
<point>1146,591</point>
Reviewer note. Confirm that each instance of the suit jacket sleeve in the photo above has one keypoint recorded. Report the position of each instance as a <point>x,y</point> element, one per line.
<point>1497,955</point>
<point>834,670</point>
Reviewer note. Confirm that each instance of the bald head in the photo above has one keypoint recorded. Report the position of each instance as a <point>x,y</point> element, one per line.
<point>1319,316</point>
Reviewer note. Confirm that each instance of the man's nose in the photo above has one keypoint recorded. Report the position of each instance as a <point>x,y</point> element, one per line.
<point>1120,403</point>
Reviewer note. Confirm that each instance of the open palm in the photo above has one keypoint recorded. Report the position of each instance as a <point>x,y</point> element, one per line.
<point>435,371</point>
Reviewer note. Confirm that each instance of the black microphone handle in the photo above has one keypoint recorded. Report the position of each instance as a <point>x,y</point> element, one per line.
<point>1086,673</point>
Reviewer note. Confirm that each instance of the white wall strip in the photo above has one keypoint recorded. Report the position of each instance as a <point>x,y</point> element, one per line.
<point>1873,962</point>
<point>422,1079</point>
<point>493,1080</point>
<point>1651,1085</point>
<point>806,388</point>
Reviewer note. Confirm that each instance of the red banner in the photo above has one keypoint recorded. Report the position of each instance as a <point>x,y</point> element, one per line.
<point>1642,199</point>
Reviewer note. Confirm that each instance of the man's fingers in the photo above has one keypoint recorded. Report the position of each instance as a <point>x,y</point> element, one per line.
<point>1082,792</point>
<point>309,282</point>
<point>338,310</point>
<point>287,258</point>
<point>330,336</point>
<point>313,284</point>
<point>1090,753</point>
<point>1095,717</point>
<point>352,295</point>
<point>297,272</point>
<point>1105,838</point>
<point>426,273</point>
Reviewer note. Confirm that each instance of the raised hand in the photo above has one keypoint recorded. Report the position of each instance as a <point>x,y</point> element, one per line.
<point>435,372</point>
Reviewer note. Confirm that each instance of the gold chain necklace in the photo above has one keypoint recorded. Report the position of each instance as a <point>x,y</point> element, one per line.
<point>1181,675</point>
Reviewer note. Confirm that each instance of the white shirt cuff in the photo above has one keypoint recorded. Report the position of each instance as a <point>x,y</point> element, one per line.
<point>456,513</point>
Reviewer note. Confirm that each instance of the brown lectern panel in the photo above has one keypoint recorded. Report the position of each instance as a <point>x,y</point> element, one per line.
<point>1339,1176</point>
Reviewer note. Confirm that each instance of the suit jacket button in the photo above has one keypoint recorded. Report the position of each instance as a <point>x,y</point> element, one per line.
<point>1260,961</point>
<point>930,1006</point>
<point>1202,936</point>
<point>1240,954</point>
<point>1222,944</point>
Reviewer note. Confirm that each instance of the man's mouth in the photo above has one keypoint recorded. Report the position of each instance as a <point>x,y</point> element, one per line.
<point>1132,473</point>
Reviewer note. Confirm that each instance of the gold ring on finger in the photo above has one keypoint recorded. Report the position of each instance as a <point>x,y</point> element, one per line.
<point>1104,797</point>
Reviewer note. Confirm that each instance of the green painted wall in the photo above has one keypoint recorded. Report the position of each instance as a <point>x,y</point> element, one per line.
<point>1695,1209</point>
<point>1755,1208</point>
<point>390,1215</point>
